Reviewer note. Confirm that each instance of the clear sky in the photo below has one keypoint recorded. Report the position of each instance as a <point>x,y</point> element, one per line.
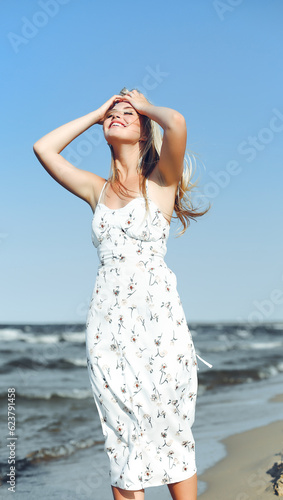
<point>217,62</point>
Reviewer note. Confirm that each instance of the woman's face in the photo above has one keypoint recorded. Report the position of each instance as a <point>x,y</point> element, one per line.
<point>122,124</point>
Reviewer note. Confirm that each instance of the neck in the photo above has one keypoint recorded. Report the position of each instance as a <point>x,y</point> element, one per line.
<point>126,160</point>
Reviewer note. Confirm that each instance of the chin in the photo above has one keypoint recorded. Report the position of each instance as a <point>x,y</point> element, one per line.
<point>117,140</point>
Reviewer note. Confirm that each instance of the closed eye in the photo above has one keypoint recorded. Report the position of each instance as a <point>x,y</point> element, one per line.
<point>126,113</point>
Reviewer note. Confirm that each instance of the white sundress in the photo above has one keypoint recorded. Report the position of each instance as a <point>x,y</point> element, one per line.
<point>140,354</point>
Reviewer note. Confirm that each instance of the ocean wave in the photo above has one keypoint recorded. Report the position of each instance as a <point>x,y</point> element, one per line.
<point>63,450</point>
<point>214,378</point>
<point>260,345</point>
<point>194,333</point>
<point>43,332</point>
<point>278,326</point>
<point>77,361</point>
<point>217,348</point>
<point>27,363</point>
<point>14,335</point>
<point>231,344</point>
<point>10,335</point>
<point>243,334</point>
<point>74,394</point>
<point>74,337</point>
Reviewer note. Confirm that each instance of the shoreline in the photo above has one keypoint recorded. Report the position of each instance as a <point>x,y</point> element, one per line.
<point>242,473</point>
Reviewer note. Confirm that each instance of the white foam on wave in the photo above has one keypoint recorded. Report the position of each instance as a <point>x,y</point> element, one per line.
<point>78,337</point>
<point>74,394</point>
<point>77,361</point>
<point>12,335</point>
<point>62,451</point>
<point>260,345</point>
<point>271,371</point>
<point>243,333</point>
<point>40,339</point>
<point>277,326</point>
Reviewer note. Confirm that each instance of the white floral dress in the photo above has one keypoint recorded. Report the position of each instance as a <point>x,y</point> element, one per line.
<point>140,355</point>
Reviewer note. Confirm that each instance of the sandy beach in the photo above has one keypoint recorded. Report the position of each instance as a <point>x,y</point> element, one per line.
<point>242,474</point>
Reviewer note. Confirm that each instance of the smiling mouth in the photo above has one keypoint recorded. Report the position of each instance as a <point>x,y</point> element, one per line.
<point>116,124</point>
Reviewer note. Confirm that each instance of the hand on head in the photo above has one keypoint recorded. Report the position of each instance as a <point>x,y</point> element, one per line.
<point>137,100</point>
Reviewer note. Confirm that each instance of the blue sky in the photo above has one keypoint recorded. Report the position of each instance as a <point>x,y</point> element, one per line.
<point>219,64</point>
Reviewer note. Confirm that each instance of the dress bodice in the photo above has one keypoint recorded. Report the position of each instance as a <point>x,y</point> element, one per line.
<point>129,232</point>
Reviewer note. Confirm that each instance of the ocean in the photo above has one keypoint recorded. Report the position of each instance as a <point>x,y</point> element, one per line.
<point>57,439</point>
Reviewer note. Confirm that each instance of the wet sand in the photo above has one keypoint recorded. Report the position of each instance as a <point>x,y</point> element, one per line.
<point>242,474</point>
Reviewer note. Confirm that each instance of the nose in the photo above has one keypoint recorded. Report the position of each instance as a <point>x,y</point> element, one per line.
<point>116,114</point>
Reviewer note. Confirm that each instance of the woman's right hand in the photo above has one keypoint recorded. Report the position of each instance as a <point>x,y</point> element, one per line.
<point>104,108</point>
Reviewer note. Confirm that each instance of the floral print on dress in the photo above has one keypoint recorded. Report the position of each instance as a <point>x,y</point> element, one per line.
<point>140,354</point>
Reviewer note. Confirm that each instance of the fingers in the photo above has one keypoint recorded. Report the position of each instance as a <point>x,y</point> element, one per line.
<point>131,95</point>
<point>134,93</point>
<point>116,98</point>
<point>134,97</point>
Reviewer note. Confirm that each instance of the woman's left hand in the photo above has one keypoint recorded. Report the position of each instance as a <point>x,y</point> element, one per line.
<point>137,100</point>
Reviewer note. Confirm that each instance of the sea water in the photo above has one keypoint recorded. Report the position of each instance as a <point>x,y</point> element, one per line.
<point>59,445</point>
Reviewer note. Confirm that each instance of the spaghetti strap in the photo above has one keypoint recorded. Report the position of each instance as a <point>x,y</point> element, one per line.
<point>101,192</point>
<point>146,184</point>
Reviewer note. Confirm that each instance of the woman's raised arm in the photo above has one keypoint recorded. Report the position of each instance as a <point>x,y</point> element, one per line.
<point>84,184</point>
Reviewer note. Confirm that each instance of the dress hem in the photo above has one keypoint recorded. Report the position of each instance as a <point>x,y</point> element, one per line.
<point>147,485</point>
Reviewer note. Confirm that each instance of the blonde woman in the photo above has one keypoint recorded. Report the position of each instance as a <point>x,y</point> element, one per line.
<point>140,354</point>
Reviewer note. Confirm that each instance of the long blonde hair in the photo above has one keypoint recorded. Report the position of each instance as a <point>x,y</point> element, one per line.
<point>149,157</point>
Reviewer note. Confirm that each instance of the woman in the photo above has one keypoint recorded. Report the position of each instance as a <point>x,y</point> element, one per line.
<point>141,358</point>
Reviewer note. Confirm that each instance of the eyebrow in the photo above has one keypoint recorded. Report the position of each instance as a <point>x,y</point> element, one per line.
<point>126,107</point>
